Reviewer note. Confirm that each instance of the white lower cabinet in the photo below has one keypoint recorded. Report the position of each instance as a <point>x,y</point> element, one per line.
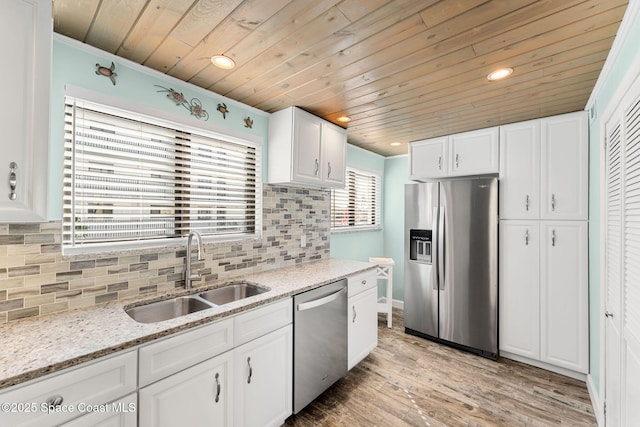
<point>263,380</point>
<point>519,283</point>
<point>60,397</point>
<point>543,292</point>
<point>121,413</point>
<point>198,396</point>
<point>362,331</point>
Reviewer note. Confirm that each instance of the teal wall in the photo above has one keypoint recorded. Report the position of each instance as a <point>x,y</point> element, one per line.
<point>361,245</point>
<point>74,64</point>
<point>628,55</point>
<point>396,171</point>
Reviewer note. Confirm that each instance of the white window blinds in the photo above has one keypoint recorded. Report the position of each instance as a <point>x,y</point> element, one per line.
<point>130,178</point>
<point>357,205</point>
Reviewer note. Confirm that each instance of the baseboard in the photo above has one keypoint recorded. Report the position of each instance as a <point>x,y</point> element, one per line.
<point>596,402</point>
<point>395,303</point>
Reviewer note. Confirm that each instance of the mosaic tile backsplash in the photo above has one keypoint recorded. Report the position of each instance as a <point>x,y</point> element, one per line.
<point>36,280</point>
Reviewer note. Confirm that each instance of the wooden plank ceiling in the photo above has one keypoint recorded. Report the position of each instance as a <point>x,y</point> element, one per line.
<point>403,70</point>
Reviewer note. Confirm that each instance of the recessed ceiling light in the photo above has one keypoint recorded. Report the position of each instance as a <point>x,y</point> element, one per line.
<point>222,61</point>
<point>344,119</point>
<point>500,74</point>
<point>395,144</point>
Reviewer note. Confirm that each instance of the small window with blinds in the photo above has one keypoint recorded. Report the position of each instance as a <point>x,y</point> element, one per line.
<point>133,181</point>
<point>356,207</point>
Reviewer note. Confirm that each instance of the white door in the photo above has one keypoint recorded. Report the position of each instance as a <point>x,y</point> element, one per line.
<point>520,170</point>
<point>334,146</point>
<point>519,290</point>
<point>613,265</point>
<point>25,43</point>
<point>363,325</point>
<point>564,321</point>
<point>263,379</point>
<point>198,396</point>
<point>564,167</point>
<point>307,131</point>
<point>428,158</point>
<point>474,153</point>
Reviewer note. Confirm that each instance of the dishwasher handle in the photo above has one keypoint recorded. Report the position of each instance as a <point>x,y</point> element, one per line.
<point>321,301</point>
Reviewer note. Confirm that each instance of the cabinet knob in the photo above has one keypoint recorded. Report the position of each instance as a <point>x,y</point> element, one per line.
<point>13,180</point>
<point>364,282</point>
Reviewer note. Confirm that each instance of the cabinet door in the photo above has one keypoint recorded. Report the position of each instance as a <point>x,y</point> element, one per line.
<point>121,413</point>
<point>564,167</point>
<point>307,133</point>
<point>520,170</point>
<point>263,379</point>
<point>334,151</point>
<point>563,294</point>
<point>25,40</point>
<point>519,289</point>
<point>428,158</point>
<point>474,153</point>
<point>363,325</point>
<point>198,396</point>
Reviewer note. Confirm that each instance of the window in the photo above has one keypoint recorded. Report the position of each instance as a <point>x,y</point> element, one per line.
<point>130,179</point>
<point>356,206</point>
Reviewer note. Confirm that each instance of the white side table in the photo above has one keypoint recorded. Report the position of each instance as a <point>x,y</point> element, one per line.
<point>385,271</point>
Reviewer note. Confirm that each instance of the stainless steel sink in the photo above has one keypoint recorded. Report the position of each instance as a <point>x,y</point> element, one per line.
<point>180,306</point>
<point>165,310</point>
<point>232,292</point>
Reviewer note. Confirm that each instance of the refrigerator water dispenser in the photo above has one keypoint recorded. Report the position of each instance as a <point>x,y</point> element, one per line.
<point>420,246</point>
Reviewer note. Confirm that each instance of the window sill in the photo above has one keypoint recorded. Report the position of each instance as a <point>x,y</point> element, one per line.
<point>354,229</point>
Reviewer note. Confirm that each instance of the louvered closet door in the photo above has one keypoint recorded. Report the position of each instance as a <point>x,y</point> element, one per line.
<point>631,263</point>
<point>612,267</point>
<point>622,262</point>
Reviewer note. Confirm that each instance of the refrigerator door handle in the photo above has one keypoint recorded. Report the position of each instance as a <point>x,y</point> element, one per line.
<point>441,247</point>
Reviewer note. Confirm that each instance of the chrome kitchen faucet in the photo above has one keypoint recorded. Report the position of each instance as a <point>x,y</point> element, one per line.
<point>188,277</point>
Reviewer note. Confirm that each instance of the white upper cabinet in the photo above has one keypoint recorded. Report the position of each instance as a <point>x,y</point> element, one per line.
<point>520,170</point>
<point>428,158</point>
<point>463,154</point>
<point>306,150</point>
<point>474,153</point>
<point>543,168</point>
<point>564,167</point>
<point>25,41</point>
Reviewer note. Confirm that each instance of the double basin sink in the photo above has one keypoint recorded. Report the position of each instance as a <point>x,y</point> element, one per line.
<point>180,306</point>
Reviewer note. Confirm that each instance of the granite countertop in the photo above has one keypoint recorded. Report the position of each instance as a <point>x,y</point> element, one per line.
<point>35,347</point>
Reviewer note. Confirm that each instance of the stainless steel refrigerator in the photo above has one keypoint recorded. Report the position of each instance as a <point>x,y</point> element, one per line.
<point>451,263</point>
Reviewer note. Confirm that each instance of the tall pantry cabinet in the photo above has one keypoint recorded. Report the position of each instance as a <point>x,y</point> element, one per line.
<point>543,242</point>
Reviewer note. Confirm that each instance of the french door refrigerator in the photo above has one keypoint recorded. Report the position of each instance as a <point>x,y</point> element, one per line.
<point>451,263</point>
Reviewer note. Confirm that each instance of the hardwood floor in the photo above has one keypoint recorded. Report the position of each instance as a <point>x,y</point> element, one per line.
<point>409,381</point>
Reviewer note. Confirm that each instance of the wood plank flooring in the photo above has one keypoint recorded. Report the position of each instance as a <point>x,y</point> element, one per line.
<point>409,381</point>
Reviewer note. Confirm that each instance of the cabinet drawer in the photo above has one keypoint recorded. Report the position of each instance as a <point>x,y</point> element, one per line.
<point>91,384</point>
<point>261,321</point>
<point>178,352</point>
<point>361,282</point>
<point>121,413</point>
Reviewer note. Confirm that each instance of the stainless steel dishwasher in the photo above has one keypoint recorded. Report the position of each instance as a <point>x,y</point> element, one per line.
<point>319,341</point>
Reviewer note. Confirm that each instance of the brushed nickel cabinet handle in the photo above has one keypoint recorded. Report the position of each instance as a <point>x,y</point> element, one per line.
<point>217,387</point>
<point>457,160</point>
<point>55,401</point>
<point>440,163</point>
<point>317,168</point>
<point>354,315</point>
<point>553,202</point>
<point>250,370</point>
<point>553,238</point>
<point>608,314</point>
<point>328,169</point>
<point>13,180</point>
<point>526,237</point>
<point>526,203</point>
